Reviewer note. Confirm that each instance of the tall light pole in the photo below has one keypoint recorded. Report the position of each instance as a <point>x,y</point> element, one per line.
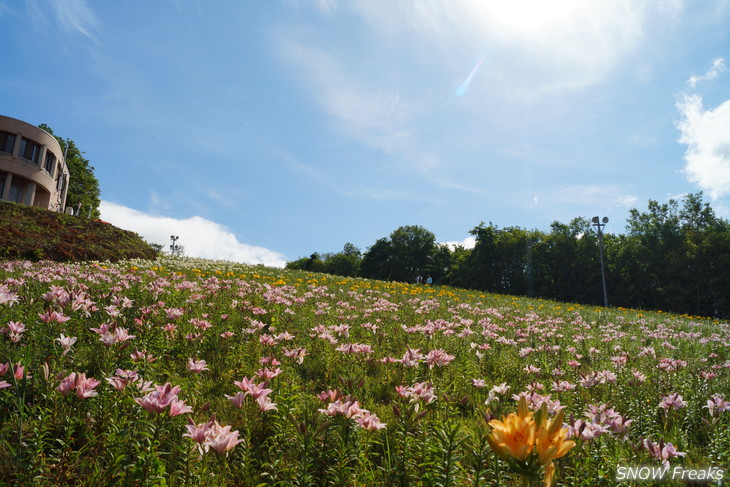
<point>173,247</point>
<point>599,224</point>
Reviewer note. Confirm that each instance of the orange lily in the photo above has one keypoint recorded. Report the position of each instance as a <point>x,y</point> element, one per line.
<point>550,440</point>
<point>528,440</point>
<point>515,435</point>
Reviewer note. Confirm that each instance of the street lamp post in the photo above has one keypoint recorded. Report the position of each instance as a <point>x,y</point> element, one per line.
<point>599,224</point>
<point>173,247</point>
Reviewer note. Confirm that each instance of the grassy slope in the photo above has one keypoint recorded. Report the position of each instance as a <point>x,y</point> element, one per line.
<point>37,234</point>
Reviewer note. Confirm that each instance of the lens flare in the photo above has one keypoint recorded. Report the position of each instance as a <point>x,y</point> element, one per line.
<point>461,90</point>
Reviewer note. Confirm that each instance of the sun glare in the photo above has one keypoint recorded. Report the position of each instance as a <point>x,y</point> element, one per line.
<point>532,15</point>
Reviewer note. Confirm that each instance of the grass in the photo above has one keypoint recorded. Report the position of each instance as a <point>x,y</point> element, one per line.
<point>37,234</point>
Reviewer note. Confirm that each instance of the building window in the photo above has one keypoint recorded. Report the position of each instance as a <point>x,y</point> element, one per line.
<point>2,185</point>
<point>50,162</point>
<point>29,150</point>
<point>7,142</point>
<point>16,191</point>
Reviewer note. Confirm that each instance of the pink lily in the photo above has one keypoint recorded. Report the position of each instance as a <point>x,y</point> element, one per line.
<point>85,387</point>
<point>221,438</point>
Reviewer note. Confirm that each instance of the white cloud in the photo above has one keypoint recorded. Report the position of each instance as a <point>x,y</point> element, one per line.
<point>382,194</point>
<point>625,201</point>
<point>326,180</point>
<point>412,55</point>
<point>372,115</point>
<point>76,16</point>
<point>718,66</point>
<point>200,237</point>
<point>706,132</point>
<point>597,196</point>
<point>361,108</point>
<point>538,45</point>
<point>324,6</point>
<point>467,243</point>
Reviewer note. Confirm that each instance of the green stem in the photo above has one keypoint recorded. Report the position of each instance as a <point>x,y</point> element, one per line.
<point>187,464</point>
<point>156,432</point>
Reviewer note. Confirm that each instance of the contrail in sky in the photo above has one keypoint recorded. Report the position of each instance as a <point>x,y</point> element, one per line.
<point>461,90</point>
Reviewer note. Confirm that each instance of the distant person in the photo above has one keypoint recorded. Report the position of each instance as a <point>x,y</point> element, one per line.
<point>429,280</point>
<point>419,279</point>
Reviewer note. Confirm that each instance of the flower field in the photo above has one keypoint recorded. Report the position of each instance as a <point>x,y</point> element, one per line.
<point>201,373</point>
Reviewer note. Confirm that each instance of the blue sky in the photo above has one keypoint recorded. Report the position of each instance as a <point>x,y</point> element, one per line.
<point>262,131</point>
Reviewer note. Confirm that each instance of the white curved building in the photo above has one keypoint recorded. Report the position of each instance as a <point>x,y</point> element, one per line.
<point>32,167</point>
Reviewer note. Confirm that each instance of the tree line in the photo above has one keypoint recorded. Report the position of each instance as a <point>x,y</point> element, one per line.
<point>674,256</point>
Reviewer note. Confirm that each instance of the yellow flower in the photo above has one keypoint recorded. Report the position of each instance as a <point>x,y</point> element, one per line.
<point>550,440</point>
<point>515,435</point>
<point>529,440</point>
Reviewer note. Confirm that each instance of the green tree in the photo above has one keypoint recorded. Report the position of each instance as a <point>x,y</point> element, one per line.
<point>158,248</point>
<point>714,255</point>
<point>377,260</point>
<point>412,251</point>
<point>655,253</point>
<point>313,263</point>
<point>83,188</point>
<point>345,263</point>
<point>440,264</point>
<point>457,265</point>
<point>478,269</point>
<point>566,263</point>
<point>514,260</point>
<point>297,264</point>
<point>706,239</point>
<point>675,258</point>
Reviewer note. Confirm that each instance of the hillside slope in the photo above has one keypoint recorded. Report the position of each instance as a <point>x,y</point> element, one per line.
<point>38,234</point>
